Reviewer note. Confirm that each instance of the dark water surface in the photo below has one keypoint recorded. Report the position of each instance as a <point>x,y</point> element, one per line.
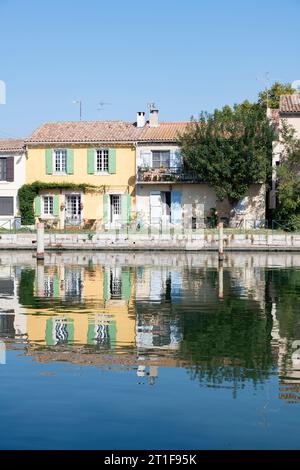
<point>128,351</point>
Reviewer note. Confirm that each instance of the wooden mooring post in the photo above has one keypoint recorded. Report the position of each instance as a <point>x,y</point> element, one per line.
<point>221,242</point>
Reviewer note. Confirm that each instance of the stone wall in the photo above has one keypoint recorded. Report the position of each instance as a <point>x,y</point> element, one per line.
<point>189,242</point>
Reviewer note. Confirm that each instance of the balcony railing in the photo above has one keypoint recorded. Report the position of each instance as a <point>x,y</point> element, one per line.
<point>171,174</point>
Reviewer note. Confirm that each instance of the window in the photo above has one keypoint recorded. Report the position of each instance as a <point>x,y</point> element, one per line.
<point>3,169</point>
<point>48,205</point>
<point>6,206</point>
<point>48,286</point>
<point>160,158</point>
<point>116,284</point>
<point>60,163</point>
<point>102,160</point>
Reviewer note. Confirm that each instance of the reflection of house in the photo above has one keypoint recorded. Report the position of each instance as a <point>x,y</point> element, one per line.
<point>157,331</point>
<point>13,322</point>
<point>288,364</point>
<point>154,329</point>
<point>95,313</point>
<point>158,283</point>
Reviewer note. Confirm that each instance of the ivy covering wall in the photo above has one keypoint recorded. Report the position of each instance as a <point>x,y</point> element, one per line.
<point>28,192</point>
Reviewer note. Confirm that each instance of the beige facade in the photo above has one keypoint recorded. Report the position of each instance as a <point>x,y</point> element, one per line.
<point>197,202</point>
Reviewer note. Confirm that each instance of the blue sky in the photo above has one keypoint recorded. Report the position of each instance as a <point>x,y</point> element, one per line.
<point>186,55</point>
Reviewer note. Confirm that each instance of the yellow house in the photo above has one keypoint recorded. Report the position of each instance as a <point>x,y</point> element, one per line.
<point>90,168</point>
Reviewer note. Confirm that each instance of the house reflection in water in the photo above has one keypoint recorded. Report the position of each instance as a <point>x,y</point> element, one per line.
<point>83,305</point>
<point>143,312</point>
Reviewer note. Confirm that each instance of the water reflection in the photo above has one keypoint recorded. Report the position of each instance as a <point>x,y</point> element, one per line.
<point>145,312</point>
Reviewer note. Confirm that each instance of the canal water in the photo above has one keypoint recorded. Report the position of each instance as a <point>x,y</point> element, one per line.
<point>153,351</point>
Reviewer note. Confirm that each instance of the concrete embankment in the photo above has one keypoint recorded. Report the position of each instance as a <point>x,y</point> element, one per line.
<point>192,242</point>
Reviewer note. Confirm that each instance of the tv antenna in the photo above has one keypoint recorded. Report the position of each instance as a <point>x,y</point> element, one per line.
<point>80,108</point>
<point>151,105</point>
<point>101,105</point>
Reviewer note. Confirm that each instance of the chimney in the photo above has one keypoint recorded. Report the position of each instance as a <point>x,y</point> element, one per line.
<point>140,119</point>
<point>153,120</point>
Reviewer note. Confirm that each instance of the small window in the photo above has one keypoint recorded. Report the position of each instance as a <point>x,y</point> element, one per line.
<point>6,206</point>
<point>102,160</point>
<point>60,163</point>
<point>48,205</point>
<point>161,159</point>
<point>3,169</point>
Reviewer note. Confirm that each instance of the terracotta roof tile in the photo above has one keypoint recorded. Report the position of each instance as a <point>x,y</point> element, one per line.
<point>165,132</point>
<point>290,103</point>
<point>11,145</point>
<point>105,131</point>
<point>84,131</point>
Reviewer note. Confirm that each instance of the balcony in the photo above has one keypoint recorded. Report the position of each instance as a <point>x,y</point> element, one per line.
<point>166,175</point>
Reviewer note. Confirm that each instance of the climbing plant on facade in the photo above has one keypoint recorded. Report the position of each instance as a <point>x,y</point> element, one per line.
<point>28,192</point>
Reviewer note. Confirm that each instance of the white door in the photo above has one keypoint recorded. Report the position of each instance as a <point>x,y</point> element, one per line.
<point>115,208</point>
<point>155,207</point>
<point>73,209</point>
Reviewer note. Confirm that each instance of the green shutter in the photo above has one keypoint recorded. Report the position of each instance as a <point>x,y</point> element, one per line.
<point>49,332</point>
<point>49,161</point>
<point>91,333</point>
<point>37,206</point>
<point>126,208</point>
<point>91,161</point>
<point>126,285</point>
<point>56,205</point>
<point>55,286</point>
<point>112,165</point>
<point>70,161</point>
<point>70,330</point>
<point>105,208</point>
<point>112,331</point>
<point>106,285</point>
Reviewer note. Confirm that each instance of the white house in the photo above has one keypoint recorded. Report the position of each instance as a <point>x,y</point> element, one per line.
<point>12,177</point>
<point>288,113</point>
<point>168,195</point>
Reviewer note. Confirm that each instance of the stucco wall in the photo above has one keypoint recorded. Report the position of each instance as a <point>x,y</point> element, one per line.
<point>10,189</point>
<point>199,199</point>
<point>124,176</point>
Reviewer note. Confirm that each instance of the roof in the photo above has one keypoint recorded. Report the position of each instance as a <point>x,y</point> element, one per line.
<point>105,131</point>
<point>164,132</point>
<point>11,145</point>
<point>289,103</point>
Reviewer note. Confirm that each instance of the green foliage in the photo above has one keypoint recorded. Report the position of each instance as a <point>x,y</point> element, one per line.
<point>230,149</point>
<point>231,341</point>
<point>28,192</point>
<point>271,97</point>
<point>288,174</point>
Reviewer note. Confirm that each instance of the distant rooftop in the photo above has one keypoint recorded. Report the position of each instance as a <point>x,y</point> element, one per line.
<point>290,103</point>
<point>11,145</point>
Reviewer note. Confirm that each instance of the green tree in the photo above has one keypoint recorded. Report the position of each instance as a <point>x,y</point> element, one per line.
<point>288,179</point>
<point>230,149</point>
<point>271,96</point>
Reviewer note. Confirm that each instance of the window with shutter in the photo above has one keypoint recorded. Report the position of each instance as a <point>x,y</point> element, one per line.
<point>60,161</point>
<point>3,169</point>
<point>6,206</point>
